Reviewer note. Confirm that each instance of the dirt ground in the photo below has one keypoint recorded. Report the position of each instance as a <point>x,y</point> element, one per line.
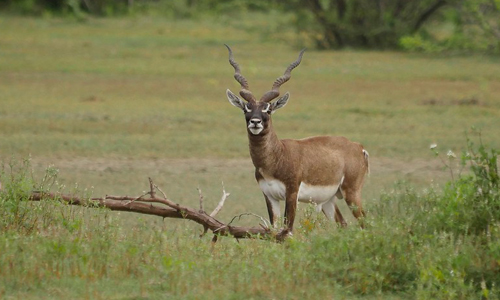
<point>384,172</point>
<point>379,166</point>
<point>181,178</point>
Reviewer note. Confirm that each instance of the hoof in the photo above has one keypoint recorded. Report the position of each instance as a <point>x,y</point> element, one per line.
<point>283,234</point>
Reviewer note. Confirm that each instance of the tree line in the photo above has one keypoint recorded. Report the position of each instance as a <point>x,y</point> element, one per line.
<point>416,25</point>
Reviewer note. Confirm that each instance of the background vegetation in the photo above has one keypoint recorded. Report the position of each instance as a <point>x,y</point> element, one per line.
<point>430,25</point>
<point>93,106</point>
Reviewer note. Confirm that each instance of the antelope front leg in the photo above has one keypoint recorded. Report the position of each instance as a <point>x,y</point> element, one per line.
<point>273,208</point>
<point>290,211</point>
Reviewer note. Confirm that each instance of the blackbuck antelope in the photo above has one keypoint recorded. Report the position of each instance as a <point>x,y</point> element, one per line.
<point>315,169</point>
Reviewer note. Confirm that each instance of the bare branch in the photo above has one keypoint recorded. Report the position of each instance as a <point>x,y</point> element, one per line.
<point>427,14</point>
<point>166,208</point>
<point>201,199</point>
<point>248,214</point>
<point>221,202</point>
<point>151,188</point>
<point>162,192</point>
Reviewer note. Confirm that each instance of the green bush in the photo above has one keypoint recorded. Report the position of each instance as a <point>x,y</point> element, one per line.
<point>170,8</point>
<point>16,184</point>
<point>418,43</point>
<point>471,203</point>
<point>464,26</point>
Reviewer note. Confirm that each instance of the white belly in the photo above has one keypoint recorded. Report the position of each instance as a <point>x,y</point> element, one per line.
<point>276,190</point>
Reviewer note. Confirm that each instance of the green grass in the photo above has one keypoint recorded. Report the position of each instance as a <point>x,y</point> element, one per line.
<point>151,88</point>
<point>110,102</point>
<point>52,250</point>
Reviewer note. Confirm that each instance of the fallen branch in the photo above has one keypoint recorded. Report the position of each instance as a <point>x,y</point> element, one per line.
<point>166,208</point>
<point>221,202</point>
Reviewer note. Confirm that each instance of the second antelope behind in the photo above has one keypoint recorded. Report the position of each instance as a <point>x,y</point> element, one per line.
<point>315,169</point>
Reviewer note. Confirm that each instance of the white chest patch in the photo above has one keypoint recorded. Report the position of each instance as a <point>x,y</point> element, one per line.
<point>276,190</point>
<point>273,188</point>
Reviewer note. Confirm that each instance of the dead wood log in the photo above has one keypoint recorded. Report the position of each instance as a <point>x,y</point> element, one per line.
<point>167,208</point>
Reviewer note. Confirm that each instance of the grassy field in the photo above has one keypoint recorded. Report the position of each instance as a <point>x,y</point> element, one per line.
<point>109,102</point>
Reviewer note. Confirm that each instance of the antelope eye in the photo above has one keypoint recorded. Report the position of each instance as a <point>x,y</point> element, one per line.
<point>267,109</point>
<point>248,108</point>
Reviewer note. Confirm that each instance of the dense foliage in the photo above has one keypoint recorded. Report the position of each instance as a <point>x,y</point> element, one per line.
<point>359,23</point>
<point>467,26</point>
<point>75,7</point>
<point>430,25</point>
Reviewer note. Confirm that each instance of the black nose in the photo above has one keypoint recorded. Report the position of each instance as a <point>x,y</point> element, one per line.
<point>255,121</point>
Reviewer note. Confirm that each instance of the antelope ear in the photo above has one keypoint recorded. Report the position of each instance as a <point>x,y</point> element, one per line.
<point>282,101</point>
<point>235,100</point>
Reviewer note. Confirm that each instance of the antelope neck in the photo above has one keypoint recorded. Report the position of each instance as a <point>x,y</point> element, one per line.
<point>266,148</point>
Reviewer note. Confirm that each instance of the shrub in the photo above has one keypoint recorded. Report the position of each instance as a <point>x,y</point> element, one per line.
<point>465,26</point>
<point>471,203</point>
<point>15,186</point>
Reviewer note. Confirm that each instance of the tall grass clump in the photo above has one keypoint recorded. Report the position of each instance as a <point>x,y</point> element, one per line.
<point>470,204</point>
<point>47,241</point>
<point>15,186</point>
<point>448,239</point>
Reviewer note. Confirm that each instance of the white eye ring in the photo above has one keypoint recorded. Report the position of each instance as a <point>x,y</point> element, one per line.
<point>247,110</point>
<point>265,110</point>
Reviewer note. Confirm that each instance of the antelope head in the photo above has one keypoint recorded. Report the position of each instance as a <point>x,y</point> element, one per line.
<point>258,113</point>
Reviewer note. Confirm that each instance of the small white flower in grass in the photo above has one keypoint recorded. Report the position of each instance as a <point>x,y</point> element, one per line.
<point>450,154</point>
<point>433,146</point>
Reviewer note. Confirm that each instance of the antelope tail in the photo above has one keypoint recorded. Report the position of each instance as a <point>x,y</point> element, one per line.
<point>367,156</point>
